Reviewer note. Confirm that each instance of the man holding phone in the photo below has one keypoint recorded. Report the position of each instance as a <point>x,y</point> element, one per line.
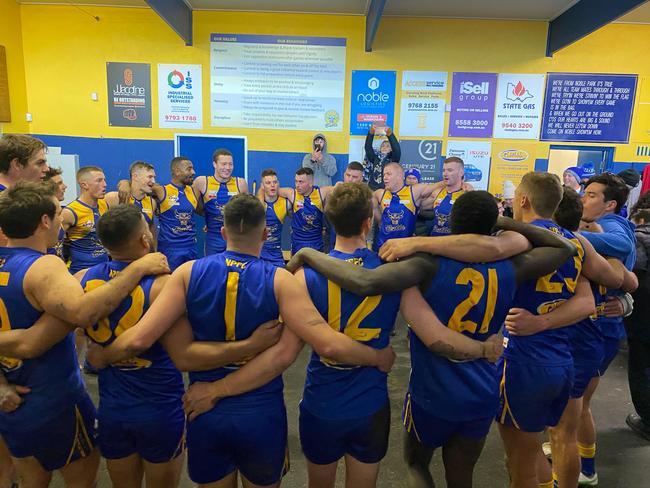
<point>320,161</point>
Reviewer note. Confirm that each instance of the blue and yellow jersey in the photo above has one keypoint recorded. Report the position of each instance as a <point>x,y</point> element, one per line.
<point>276,212</point>
<point>339,391</point>
<point>549,347</point>
<point>145,205</point>
<point>136,388</point>
<point>586,335</point>
<point>216,196</point>
<point>398,215</point>
<point>57,250</point>
<point>228,297</point>
<point>176,218</point>
<point>2,187</point>
<point>85,248</point>
<point>472,299</point>
<point>53,377</point>
<point>442,211</point>
<point>307,221</point>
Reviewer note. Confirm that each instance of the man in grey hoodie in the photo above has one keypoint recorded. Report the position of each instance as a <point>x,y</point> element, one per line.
<point>321,162</point>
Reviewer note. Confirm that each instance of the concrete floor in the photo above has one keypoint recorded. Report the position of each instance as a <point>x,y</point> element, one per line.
<point>622,459</point>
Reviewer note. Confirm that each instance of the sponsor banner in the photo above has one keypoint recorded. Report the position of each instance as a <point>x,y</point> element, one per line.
<point>180,104</point>
<point>129,94</point>
<point>510,162</point>
<point>373,100</point>
<point>518,113</point>
<point>422,106</point>
<point>277,82</point>
<point>472,104</point>
<point>584,107</point>
<point>423,154</point>
<point>476,156</point>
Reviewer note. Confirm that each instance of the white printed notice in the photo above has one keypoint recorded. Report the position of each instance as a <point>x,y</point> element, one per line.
<point>518,111</point>
<point>422,109</point>
<point>180,105</point>
<point>277,82</point>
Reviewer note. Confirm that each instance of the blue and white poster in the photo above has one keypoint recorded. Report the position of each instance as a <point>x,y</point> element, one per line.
<point>277,82</point>
<point>423,154</point>
<point>373,100</point>
<point>180,104</point>
<point>585,107</point>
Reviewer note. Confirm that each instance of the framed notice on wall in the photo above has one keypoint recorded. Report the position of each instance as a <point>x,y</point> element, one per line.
<point>5,108</point>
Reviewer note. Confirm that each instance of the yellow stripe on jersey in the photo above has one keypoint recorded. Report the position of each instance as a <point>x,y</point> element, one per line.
<point>84,218</point>
<point>230,311</point>
<point>280,207</point>
<point>314,198</point>
<point>171,197</point>
<point>212,187</point>
<point>405,196</point>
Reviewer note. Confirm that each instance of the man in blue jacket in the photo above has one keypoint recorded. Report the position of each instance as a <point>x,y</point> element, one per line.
<point>613,236</point>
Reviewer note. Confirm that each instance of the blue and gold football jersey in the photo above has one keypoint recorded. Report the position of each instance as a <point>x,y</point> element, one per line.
<point>229,295</point>
<point>398,216</point>
<point>587,335</point>
<point>176,218</point>
<point>339,391</point>
<point>54,377</point>
<point>442,206</point>
<point>136,388</point>
<point>276,212</point>
<point>307,220</point>
<point>549,347</point>
<point>472,299</point>
<point>57,250</point>
<point>216,196</point>
<point>85,248</point>
<point>145,205</point>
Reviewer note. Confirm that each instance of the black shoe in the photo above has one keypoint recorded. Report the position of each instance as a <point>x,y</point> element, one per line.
<point>637,424</point>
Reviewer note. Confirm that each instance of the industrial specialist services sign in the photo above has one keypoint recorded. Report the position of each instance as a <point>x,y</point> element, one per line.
<point>129,94</point>
<point>180,105</point>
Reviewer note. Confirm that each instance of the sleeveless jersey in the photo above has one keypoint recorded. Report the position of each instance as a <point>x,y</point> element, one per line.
<point>216,196</point>
<point>228,297</point>
<point>472,299</point>
<point>85,248</point>
<point>276,212</point>
<point>442,211</point>
<point>139,387</point>
<point>338,391</point>
<point>58,247</point>
<point>549,347</point>
<point>176,217</point>
<point>307,221</point>
<point>53,377</point>
<point>586,335</point>
<point>145,205</point>
<point>398,216</point>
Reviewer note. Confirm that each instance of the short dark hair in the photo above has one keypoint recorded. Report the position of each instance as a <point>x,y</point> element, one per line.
<point>82,172</point>
<point>19,146</point>
<point>615,188</point>
<point>176,161</point>
<point>347,207</point>
<point>643,213</point>
<point>642,203</point>
<point>269,172</point>
<point>220,152</point>
<point>475,212</point>
<point>118,225</point>
<point>569,211</point>
<point>305,171</point>
<point>454,159</point>
<point>52,172</point>
<point>243,214</point>
<point>23,205</point>
<point>355,166</point>
<point>138,165</point>
<point>544,191</point>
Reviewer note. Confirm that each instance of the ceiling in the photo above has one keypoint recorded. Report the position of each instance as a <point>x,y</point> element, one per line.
<point>542,10</point>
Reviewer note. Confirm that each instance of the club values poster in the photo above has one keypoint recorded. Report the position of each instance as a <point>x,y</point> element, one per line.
<point>472,104</point>
<point>518,113</point>
<point>129,94</point>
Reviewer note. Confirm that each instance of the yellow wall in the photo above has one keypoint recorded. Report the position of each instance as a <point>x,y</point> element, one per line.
<point>66,50</point>
<point>11,39</point>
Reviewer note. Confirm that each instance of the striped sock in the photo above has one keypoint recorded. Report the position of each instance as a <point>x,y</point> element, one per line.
<point>587,458</point>
<point>556,483</point>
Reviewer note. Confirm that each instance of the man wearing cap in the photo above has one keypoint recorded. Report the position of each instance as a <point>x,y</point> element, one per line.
<point>573,178</point>
<point>412,176</point>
